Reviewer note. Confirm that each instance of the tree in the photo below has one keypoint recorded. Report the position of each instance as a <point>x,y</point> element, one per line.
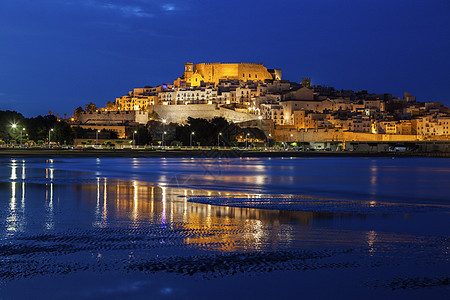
<point>63,133</point>
<point>153,116</point>
<point>38,128</point>
<point>7,119</point>
<point>77,112</point>
<point>142,135</point>
<point>90,107</point>
<point>110,105</point>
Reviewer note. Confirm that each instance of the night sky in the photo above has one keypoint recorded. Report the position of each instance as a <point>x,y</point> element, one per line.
<point>59,54</point>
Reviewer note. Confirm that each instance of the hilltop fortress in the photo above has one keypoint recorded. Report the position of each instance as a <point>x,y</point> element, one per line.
<point>194,74</point>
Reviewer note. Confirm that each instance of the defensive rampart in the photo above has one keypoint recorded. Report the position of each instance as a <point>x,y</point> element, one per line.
<point>179,113</point>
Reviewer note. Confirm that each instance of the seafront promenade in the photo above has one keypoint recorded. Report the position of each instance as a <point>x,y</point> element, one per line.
<point>206,152</point>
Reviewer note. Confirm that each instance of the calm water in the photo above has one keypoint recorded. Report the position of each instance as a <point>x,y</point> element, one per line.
<point>174,227</point>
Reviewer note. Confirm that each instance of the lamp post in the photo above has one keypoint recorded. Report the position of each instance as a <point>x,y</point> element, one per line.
<point>218,139</point>
<point>96,137</point>
<point>268,143</point>
<point>192,133</point>
<point>13,126</point>
<point>21,136</point>
<point>164,132</point>
<point>246,141</point>
<point>134,144</point>
<point>49,137</point>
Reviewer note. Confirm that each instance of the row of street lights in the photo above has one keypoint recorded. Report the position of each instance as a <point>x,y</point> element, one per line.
<point>14,126</point>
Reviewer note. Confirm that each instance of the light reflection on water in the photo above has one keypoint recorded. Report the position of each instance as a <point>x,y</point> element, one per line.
<point>102,202</point>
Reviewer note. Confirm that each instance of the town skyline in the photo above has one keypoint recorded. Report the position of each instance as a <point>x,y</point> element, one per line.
<point>53,61</point>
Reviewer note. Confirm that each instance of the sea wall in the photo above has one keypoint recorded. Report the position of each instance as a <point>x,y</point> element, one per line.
<point>292,134</point>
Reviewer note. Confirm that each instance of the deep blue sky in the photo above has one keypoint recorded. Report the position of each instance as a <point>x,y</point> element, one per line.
<point>60,54</point>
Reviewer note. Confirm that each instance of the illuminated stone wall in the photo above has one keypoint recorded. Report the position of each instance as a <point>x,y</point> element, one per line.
<point>114,117</point>
<point>213,72</point>
<point>179,113</point>
<point>282,135</point>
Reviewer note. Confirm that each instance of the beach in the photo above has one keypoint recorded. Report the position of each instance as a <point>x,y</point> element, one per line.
<point>199,227</point>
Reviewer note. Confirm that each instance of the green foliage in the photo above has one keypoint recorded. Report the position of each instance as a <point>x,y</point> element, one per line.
<point>207,133</point>
<point>90,107</point>
<point>176,144</point>
<point>142,135</point>
<point>7,119</point>
<point>77,112</point>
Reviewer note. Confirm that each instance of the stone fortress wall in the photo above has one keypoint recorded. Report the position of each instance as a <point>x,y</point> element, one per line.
<point>180,113</point>
<point>114,117</point>
<point>284,135</point>
<point>212,72</point>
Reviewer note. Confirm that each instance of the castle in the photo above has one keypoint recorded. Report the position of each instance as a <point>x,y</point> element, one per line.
<point>194,74</point>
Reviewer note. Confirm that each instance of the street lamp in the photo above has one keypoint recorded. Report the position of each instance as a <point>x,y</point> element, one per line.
<point>218,139</point>
<point>49,137</point>
<point>192,133</point>
<point>268,140</point>
<point>134,144</point>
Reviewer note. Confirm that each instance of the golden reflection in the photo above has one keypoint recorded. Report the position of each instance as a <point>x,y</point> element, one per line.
<point>373,178</point>
<point>221,227</point>
<point>163,200</point>
<point>105,210</point>
<point>135,200</point>
<point>371,239</point>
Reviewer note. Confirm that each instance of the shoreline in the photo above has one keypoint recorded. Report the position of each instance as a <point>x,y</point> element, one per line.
<point>207,153</point>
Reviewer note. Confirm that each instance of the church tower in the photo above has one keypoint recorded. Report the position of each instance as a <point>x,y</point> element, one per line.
<point>188,70</point>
